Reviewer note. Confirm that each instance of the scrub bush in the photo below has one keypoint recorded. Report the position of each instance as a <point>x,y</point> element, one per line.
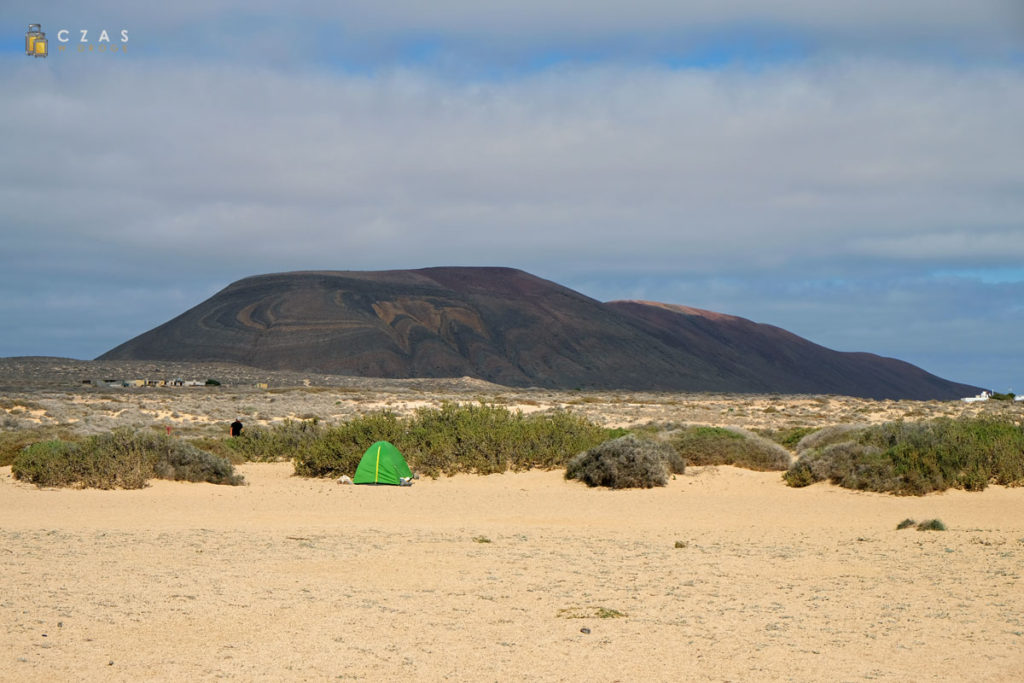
<point>122,458</point>
<point>181,461</point>
<point>470,438</point>
<point>337,450</point>
<point>279,442</point>
<point>13,442</point>
<point>788,438</point>
<point>626,462</point>
<point>729,446</point>
<point>931,525</point>
<point>914,458</point>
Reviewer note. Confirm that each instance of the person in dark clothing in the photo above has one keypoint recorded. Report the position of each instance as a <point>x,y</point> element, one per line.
<point>236,427</point>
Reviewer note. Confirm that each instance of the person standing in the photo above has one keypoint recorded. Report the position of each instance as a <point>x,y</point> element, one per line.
<point>236,427</point>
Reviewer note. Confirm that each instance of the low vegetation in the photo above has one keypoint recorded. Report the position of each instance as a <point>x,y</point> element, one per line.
<point>787,437</point>
<point>913,458</point>
<point>931,525</point>
<point>729,446</point>
<point>123,458</point>
<point>626,462</point>
<point>280,442</point>
<point>455,438</point>
<point>590,613</point>
<point>927,525</point>
<point>13,442</point>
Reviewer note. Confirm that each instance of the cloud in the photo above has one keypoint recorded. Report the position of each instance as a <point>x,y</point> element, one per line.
<point>624,165</point>
<point>467,34</point>
<point>743,187</point>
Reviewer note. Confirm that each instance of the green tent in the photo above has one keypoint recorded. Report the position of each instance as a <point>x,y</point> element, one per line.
<point>382,464</point>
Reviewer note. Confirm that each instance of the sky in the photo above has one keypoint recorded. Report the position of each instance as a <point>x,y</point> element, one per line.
<point>851,172</point>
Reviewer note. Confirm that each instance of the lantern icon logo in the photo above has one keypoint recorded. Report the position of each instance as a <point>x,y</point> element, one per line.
<point>35,41</point>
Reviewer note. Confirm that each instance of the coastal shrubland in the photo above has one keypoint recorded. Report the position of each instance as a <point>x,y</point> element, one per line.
<point>454,438</point>
<point>913,458</point>
<point>123,458</point>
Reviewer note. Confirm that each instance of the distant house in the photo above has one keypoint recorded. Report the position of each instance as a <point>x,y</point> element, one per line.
<point>983,396</point>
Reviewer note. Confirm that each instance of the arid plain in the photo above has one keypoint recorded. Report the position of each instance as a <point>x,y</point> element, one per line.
<point>725,574</point>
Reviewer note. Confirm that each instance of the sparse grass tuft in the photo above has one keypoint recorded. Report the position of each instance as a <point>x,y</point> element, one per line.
<point>590,613</point>
<point>626,462</point>
<point>906,524</point>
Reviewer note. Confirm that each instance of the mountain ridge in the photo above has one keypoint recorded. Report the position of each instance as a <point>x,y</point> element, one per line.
<point>509,327</point>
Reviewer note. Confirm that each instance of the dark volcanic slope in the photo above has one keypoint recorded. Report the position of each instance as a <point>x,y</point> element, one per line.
<point>509,327</point>
<point>770,359</point>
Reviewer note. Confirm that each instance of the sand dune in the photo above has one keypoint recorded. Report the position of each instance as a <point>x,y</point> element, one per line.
<point>495,578</point>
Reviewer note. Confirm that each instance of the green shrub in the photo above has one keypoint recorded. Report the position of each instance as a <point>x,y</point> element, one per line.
<point>279,442</point>
<point>996,396</point>
<point>790,437</point>
<point>51,463</point>
<point>487,439</point>
<point>337,450</point>
<point>119,459</point>
<point>914,458</point>
<point>219,446</point>
<point>13,442</point>
<point>107,461</point>
<point>905,524</point>
<point>471,438</point>
<point>625,462</point>
<point>181,461</point>
<point>826,436</point>
<point>931,525</point>
<point>798,476</point>
<point>729,446</point>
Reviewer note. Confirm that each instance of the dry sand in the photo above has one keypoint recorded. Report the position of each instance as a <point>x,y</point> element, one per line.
<point>496,578</point>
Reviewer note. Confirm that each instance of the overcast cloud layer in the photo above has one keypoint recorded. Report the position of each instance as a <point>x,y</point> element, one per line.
<point>856,177</point>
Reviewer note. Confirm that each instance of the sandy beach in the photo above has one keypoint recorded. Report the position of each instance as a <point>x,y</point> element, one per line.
<point>725,574</point>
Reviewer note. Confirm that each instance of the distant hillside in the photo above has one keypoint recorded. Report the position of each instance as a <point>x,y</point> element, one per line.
<point>509,327</point>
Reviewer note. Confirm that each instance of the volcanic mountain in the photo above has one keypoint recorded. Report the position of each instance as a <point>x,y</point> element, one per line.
<point>509,327</point>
